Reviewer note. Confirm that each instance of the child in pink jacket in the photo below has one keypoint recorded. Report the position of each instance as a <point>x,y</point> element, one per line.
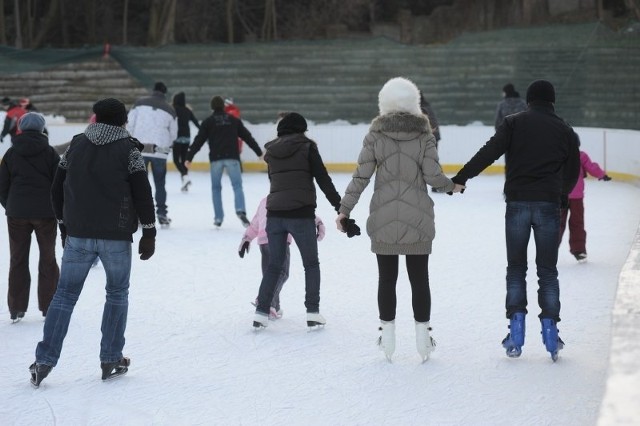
<point>577,233</point>
<point>257,229</point>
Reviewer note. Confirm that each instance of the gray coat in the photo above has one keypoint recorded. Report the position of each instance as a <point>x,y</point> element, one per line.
<point>401,149</point>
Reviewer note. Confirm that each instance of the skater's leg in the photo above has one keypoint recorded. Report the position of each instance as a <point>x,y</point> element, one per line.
<point>48,271</point>
<point>387,277</point>
<point>217,168</point>
<point>277,235</point>
<point>577,233</point>
<point>304,233</point>
<point>546,219</point>
<point>518,232</point>
<point>116,259</point>
<point>19,276</point>
<point>235,176</point>
<point>418,271</point>
<point>78,255</point>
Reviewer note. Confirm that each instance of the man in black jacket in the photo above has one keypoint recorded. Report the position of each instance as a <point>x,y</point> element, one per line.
<point>100,193</point>
<point>222,131</point>
<point>542,163</point>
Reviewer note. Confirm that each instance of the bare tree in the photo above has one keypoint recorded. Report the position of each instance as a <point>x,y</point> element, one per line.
<point>162,19</point>
<point>125,21</point>
<point>16,15</point>
<point>269,29</point>
<point>3,35</point>
<point>229,14</point>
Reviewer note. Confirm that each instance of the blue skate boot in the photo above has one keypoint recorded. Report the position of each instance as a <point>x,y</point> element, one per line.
<point>550,337</point>
<point>514,341</point>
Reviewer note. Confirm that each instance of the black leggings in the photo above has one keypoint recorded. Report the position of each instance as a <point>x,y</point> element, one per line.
<point>418,271</point>
<point>180,156</point>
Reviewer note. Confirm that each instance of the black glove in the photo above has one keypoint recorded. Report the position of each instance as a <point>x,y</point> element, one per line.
<point>63,233</point>
<point>605,178</point>
<point>244,248</point>
<point>350,227</point>
<point>147,245</point>
<point>460,181</point>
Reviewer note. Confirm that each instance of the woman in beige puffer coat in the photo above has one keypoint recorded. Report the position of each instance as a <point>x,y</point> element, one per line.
<point>400,149</point>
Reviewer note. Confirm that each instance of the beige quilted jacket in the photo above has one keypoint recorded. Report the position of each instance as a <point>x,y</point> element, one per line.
<point>400,149</point>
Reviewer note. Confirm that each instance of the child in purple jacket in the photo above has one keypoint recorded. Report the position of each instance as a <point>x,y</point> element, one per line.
<point>577,233</point>
<point>257,228</point>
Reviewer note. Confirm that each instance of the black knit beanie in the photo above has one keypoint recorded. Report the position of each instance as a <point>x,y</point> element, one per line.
<point>217,103</point>
<point>110,111</point>
<point>160,87</point>
<point>292,123</point>
<point>541,91</point>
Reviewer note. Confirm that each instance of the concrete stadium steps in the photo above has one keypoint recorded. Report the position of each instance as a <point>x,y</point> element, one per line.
<point>593,69</point>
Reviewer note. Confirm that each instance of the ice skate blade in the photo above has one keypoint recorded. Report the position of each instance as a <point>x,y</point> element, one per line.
<point>315,325</point>
<point>513,352</point>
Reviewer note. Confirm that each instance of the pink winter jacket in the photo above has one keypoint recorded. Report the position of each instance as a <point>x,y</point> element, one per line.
<point>258,225</point>
<point>586,167</point>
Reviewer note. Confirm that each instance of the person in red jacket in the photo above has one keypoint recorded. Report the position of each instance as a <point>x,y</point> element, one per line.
<point>232,109</point>
<point>14,113</point>
<point>577,233</point>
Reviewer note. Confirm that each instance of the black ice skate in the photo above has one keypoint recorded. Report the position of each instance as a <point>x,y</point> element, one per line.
<point>243,218</point>
<point>16,316</point>
<point>112,370</point>
<point>38,373</point>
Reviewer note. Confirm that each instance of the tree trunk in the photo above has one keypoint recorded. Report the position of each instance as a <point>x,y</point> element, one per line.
<point>230,8</point>
<point>64,28</point>
<point>16,15</point>
<point>47,24</point>
<point>3,35</point>
<point>125,21</point>
<point>162,19</point>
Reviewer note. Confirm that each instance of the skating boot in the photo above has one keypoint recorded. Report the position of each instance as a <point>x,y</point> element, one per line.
<point>164,220</point>
<point>111,370</point>
<point>424,342</point>
<point>186,183</point>
<point>514,341</point>
<point>315,320</point>
<point>550,337</point>
<point>38,373</point>
<point>580,257</point>
<point>387,339</point>
<point>260,321</point>
<point>16,316</point>
<point>243,218</point>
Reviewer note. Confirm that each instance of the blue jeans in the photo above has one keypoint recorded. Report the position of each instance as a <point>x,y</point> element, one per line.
<point>303,231</point>
<point>544,219</point>
<point>77,258</point>
<point>159,171</point>
<point>235,175</point>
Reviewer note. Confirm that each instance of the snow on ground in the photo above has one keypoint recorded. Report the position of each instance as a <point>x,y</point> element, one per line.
<point>197,361</point>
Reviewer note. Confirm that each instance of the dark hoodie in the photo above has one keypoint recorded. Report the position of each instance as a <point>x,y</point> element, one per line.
<point>26,174</point>
<point>294,162</point>
<point>184,114</point>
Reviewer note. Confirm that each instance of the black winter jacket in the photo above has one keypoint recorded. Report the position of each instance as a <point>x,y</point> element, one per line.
<point>294,161</point>
<point>26,174</point>
<point>222,131</point>
<point>542,158</point>
<point>101,189</point>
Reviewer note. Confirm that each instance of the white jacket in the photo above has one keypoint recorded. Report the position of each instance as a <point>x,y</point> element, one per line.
<point>153,121</point>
